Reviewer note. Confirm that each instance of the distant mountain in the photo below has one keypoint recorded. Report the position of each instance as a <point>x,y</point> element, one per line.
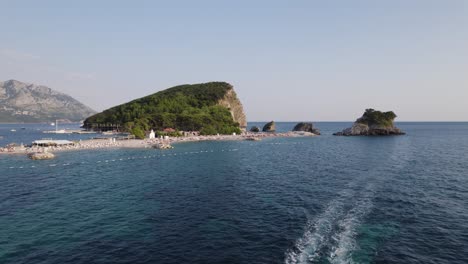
<point>28,103</point>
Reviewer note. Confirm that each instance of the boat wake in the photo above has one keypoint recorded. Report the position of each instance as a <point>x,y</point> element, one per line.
<point>331,235</point>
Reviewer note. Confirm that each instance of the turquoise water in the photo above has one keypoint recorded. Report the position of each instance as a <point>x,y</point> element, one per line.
<point>282,200</point>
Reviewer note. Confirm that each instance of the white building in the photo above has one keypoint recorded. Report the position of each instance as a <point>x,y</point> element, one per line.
<point>152,134</point>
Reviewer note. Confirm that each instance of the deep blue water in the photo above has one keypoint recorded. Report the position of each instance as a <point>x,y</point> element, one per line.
<point>320,199</point>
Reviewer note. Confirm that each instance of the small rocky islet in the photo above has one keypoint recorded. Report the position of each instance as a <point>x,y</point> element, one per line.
<point>373,123</point>
<point>306,127</point>
<point>255,129</point>
<point>269,127</point>
<point>41,156</point>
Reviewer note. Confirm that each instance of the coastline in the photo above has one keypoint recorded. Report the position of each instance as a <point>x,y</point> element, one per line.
<point>97,144</point>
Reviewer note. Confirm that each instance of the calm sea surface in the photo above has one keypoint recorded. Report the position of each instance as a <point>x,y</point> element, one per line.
<point>282,200</point>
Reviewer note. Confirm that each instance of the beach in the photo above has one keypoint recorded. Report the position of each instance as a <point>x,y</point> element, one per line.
<point>107,143</point>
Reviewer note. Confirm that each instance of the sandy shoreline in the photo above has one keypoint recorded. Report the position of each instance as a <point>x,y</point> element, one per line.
<point>97,144</point>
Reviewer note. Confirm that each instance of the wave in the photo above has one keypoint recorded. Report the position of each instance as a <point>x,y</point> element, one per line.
<point>334,230</point>
<point>318,232</point>
<point>345,240</point>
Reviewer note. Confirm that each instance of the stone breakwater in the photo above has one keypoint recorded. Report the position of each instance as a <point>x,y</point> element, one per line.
<point>143,143</point>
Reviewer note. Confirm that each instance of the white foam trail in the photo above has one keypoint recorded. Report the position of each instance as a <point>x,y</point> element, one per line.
<point>345,240</point>
<point>317,232</point>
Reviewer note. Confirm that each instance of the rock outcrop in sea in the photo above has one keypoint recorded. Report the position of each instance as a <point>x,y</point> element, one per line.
<point>41,156</point>
<point>269,127</point>
<point>163,146</point>
<point>373,123</point>
<point>255,129</point>
<point>306,127</point>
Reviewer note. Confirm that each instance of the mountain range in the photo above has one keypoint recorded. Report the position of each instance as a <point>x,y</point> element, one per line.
<point>29,103</point>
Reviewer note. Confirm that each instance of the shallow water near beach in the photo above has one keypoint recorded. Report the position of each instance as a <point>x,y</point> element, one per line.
<point>323,199</point>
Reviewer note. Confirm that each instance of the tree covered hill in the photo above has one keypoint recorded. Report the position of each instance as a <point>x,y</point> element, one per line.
<point>208,107</point>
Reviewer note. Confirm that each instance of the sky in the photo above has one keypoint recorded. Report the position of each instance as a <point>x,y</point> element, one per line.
<point>288,60</point>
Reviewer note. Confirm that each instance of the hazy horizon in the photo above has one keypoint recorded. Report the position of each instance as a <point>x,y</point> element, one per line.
<point>287,61</point>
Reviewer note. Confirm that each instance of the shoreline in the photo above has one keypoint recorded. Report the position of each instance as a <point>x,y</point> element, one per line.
<point>98,144</point>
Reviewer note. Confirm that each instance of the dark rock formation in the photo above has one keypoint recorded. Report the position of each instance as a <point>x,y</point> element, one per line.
<point>255,129</point>
<point>306,127</point>
<point>373,123</point>
<point>269,127</point>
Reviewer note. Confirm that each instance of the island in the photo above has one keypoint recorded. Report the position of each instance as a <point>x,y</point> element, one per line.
<point>306,127</point>
<point>373,123</point>
<point>207,108</point>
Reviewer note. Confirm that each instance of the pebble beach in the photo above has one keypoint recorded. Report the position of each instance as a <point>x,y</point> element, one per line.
<point>143,143</point>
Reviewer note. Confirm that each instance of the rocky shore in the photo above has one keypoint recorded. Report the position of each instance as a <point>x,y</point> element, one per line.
<point>144,143</point>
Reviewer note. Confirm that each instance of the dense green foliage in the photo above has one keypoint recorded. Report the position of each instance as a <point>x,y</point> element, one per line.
<point>373,117</point>
<point>138,132</point>
<point>184,107</point>
<point>170,134</point>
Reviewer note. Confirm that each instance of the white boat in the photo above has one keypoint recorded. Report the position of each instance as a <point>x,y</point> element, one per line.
<point>13,130</point>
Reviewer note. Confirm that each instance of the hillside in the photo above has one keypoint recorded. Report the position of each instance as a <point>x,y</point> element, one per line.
<point>209,108</point>
<point>28,103</point>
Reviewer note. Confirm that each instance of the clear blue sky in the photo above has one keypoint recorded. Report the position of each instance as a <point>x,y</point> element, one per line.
<point>288,60</point>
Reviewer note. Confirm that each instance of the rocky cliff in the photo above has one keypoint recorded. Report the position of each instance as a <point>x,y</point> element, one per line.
<point>234,105</point>
<point>24,102</point>
<point>373,123</point>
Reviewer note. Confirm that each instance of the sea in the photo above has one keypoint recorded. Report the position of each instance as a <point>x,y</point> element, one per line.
<point>323,199</point>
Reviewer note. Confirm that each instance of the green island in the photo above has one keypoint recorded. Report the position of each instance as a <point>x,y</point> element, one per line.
<point>209,108</point>
<point>373,123</point>
<point>378,118</point>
